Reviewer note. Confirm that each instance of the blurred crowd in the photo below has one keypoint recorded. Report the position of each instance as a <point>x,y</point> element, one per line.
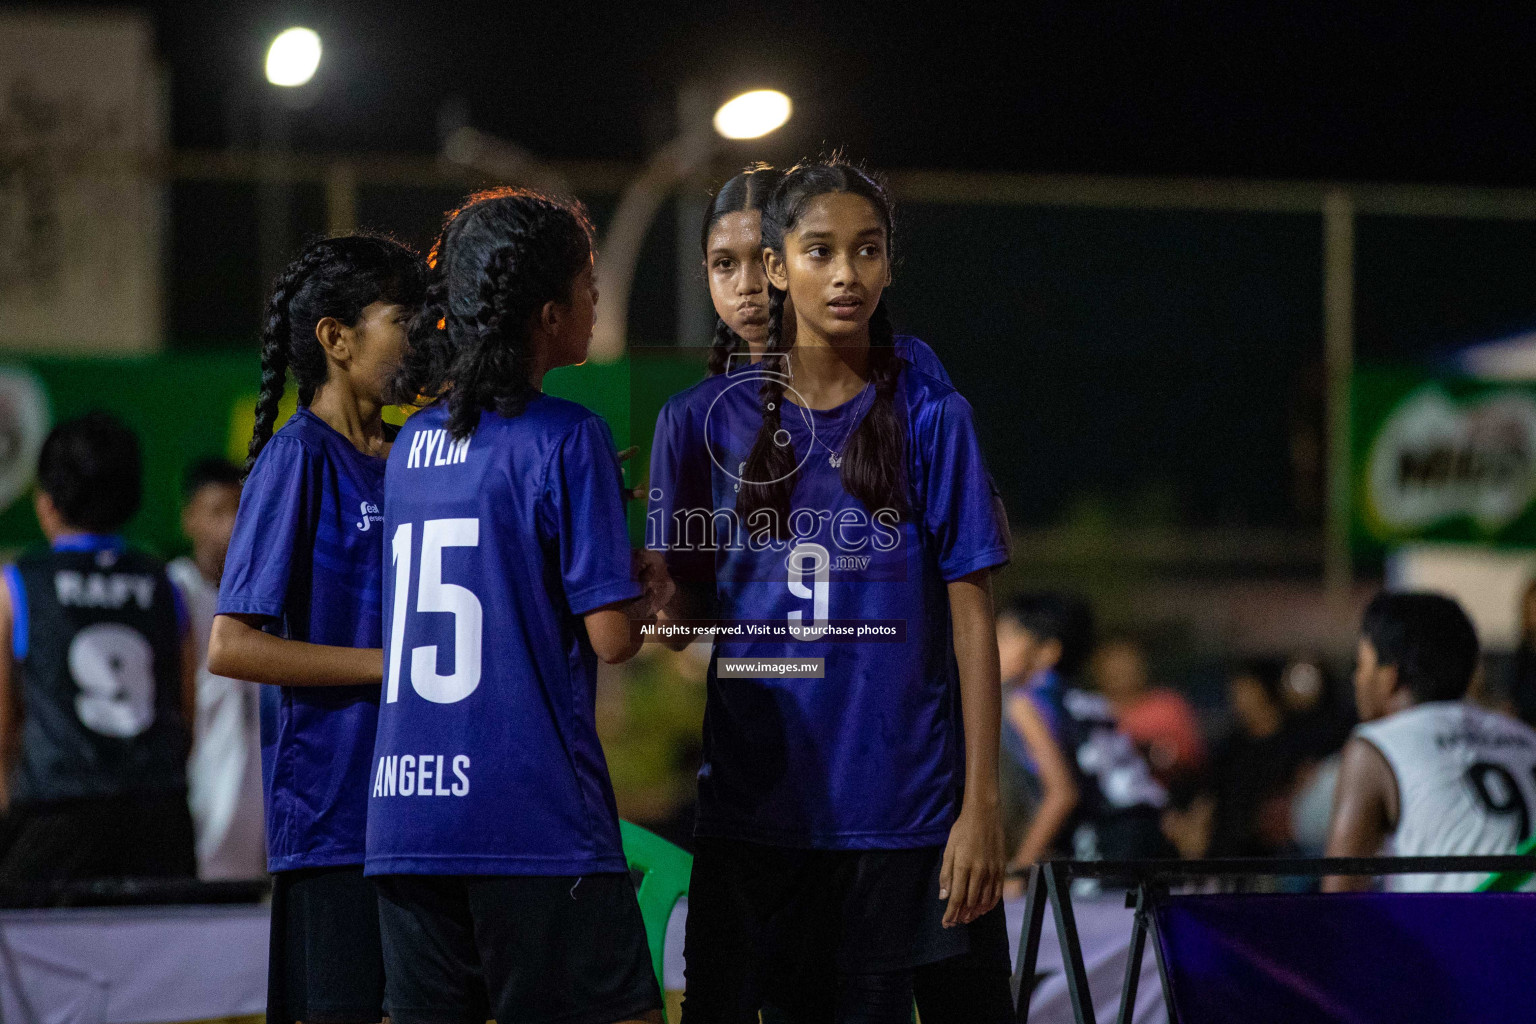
<point>1245,770</point>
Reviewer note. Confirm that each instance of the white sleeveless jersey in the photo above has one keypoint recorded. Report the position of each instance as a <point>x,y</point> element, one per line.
<point>224,767</point>
<point>1466,785</point>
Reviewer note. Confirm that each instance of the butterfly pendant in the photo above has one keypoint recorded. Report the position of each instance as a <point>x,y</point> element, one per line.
<point>834,460</point>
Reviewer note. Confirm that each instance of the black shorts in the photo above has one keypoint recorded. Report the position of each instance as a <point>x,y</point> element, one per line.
<point>145,835</point>
<point>524,949</point>
<point>961,975</point>
<point>326,964</point>
<point>971,987</point>
<point>762,920</point>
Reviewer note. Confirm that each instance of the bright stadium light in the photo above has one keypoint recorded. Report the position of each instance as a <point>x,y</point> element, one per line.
<point>753,114</point>
<point>749,116</point>
<point>293,57</point>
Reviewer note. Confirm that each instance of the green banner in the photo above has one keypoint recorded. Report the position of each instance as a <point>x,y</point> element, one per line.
<point>187,407</point>
<point>1442,459</point>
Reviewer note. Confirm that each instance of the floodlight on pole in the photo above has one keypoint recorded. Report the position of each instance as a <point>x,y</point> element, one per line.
<point>753,114</point>
<point>749,116</point>
<point>293,57</point>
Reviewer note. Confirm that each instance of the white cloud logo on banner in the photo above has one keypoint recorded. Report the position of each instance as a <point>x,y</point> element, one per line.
<point>1435,459</point>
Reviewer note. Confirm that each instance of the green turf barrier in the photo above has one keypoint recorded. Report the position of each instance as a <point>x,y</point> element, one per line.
<point>664,871</point>
<point>1511,881</point>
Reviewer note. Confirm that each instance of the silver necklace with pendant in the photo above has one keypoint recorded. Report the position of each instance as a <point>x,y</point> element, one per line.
<point>835,455</point>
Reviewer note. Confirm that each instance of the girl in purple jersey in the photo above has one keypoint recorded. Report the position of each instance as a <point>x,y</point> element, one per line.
<point>732,242</point>
<point>503,888</point>
<point>733,264</point>
<point>299,609</point>
<point>960,984</point>
<point>787,852</point>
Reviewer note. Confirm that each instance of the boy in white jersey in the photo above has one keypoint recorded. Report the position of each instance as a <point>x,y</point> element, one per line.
<point>224,768</point>
<point>1435,774</point>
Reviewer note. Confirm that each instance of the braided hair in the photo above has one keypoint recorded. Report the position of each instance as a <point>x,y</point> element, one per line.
<point>500,257</point>
<point>745,192</point>
<point>337,278</point>
<point>874,463</point>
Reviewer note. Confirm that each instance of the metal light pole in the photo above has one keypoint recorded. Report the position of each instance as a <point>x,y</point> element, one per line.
<point>1339,358</point>
<point>694,312</point>
<point>748,116</point>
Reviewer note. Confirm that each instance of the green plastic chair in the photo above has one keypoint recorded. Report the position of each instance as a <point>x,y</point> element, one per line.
<point>1511,881</point>
<point>664,873</point>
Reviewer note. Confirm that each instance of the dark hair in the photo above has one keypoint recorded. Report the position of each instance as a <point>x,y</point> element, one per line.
<point>747,191</point>
<point>874,460</point>
<point>91,469</point>
<point>334,277</point>
<point>1427,638</point>
<point>208,472</point>
<point>500,257</point>
<point>1065,618</point>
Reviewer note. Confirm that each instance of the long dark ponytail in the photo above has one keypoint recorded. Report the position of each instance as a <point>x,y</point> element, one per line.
<point>745,192</point>
<point>874,463</point>
<point>500,257</point>
<point>337,278</point>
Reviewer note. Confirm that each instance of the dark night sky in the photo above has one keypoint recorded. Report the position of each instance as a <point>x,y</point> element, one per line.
<point>1298,90</point>
<point>1168,355</point>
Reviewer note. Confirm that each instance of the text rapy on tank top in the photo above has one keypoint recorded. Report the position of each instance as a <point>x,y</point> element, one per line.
<point>421,775</point>
<point>103,589</point>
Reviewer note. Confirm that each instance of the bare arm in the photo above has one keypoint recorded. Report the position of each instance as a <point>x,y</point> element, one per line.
<point>239,649</point>
<point>690,603</point>
<point>10,702</point>
<point>972,873</point>
<point>614,630</point>
<point>611,635</point>
<point>1059,793</point>
<point>1365,809</point>
<point>189,667</point>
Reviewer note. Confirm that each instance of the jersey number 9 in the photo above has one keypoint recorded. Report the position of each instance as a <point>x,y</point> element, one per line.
<point>114,666</point>
<point>1499,794</point>
<point>809,560</point>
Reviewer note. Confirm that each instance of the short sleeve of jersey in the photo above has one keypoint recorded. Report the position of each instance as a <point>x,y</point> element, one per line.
<point>680,481</point>
<point>957,499</point>
<point>922,357</point>
<point>584,508</point>
<point>277,507</point>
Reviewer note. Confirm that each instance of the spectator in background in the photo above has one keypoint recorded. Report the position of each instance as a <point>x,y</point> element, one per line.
<point>1098,799</point>
<point>1319,723</point>
<point>1159,720</point>
<point>1254,767</point>
<point>224,771</point>
<point>1427,769</point>
<point>1523,681</point>
<point>96,700</point>
<point>1315,716</point>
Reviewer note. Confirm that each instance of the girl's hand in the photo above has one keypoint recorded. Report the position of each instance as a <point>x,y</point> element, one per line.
<point>657,587</point>
<point>972,874</point>
<point>631,493</point>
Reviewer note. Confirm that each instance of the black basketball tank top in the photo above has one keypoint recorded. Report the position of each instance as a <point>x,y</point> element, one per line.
<point>100,682</point>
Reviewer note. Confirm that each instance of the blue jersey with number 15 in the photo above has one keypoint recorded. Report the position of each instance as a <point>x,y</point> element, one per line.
<point>487,760</point>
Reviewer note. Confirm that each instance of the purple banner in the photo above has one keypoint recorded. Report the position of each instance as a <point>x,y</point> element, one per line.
<point>1358,958</point>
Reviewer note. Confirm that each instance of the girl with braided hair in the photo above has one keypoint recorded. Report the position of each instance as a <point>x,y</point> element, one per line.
<point>733,264</point>
<point>849,804</point>
<point>492,829</point>
<point>299,608</point>
<point>732,243</point>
